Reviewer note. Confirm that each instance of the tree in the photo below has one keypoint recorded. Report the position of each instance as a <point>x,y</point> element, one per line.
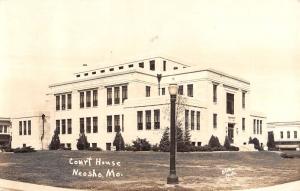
<point>82,143</point>
<point>271,142</point>
<point>214,142</point>
<point>55,142</point>
<point>141,145</point>
<point>164,144</point>
<point>187,138</point>
<point>119,142</point>
<point>180,141</point>
<point>227,143</point>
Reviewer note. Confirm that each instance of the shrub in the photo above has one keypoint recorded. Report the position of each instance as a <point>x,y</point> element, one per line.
<point>24,150</point>
<point>55,142</point>
<point>141,145</point>
<point>128,148</point>
<point>155,148</point>
<point>119,142</point>
<point>271,142</point>
<point>233,148</point>
<point>164,144</point>
<point>227,143</point>
<point>214,142</point>
<point>94,149</point>
<point>255,141</point>
<point>82,143</point>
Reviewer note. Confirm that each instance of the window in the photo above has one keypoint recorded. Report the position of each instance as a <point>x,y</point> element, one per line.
<point>260,126</point>
<point>288,135</point>
<point>69,123</point>
<point>257,126</point>
<point>198,120</point>
<point>20,127</point>
<point>109,96</point>
<point>109,123</point>
<point>122,123</point>
<point>102,71</point>
<point>215,98</point>
<point>192,120</point>
<point>95,124</point>
<point>148,88</point>
<point>180,90</point>
<point>230,103</point>
<point>141,64</point>
<point>295,134</point>
<point>1,128</point>
<point>190,90</point>
<point>130,65</point>
<point>281,134</point>
<point>57,102</point>
<point>94,145</point>
<point>121,67</point>
<point>81,125</point>
<point>157,119</point>
<point>94,72</point>
<point>5,129</point>
<point>243,99</point>
<point>88,125</point>
<point>69,101</point>
<point>88,98</point>
<point>24,128</point>
<point>63,102</point>
<point>164,65</point>
<point>152,65</point>
<point>81,99</point>
<point>111,69</point>
<point>175,68</point>
<point>86,74</point>
<point>215,120</point>
<point>69,145</point>
<point>63,126</point>
<point>117,123</point>
<point>117,95</point>
<point>124,93</point>
<point>95,98</point>
<point>148,119</point>
<point>108,146</point>
<point>163,91</point>
<point>58,126</point>
<point>78,75</point>
<point>140,120</point>
<point>254,126</point>
<point>186,119</point>
<point>243,124</point>
<point>29,127</point>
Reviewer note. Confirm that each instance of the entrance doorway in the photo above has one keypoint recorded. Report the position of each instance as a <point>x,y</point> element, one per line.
<point>230,132</point>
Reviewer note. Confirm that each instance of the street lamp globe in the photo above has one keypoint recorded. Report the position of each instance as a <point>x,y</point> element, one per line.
<point>173,88</point>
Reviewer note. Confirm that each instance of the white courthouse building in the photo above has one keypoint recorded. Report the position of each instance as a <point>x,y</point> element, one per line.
<point>134,98</point>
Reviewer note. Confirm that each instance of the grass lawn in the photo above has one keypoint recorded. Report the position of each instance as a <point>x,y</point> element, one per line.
<point>149,170</point>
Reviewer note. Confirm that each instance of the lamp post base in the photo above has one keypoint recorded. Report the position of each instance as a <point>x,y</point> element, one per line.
<point>172,179</point>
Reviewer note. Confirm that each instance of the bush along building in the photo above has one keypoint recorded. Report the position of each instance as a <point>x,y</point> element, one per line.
<point>133,99</point>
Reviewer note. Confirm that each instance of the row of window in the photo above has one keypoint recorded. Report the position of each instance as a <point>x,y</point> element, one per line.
<point>190,90</point>
<point>85,125</point>
<point>62,100</point>
<point>191,124</point>
<point>117,125</point>
<point>116,91</point>
<point>257,126</point>
<point>140,124</point>
<point>64,126</point>
<point>85,98</point>
<point>25,127</point>
<point>3,129</point>
<point>288,134</point>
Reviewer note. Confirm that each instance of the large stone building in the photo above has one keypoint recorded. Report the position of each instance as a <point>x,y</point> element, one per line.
<point>286,134</point>
<point>134,98</point>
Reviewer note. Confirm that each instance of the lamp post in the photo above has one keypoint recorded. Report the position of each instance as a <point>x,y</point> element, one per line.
<point>172,178</point>
<point>43,133</point>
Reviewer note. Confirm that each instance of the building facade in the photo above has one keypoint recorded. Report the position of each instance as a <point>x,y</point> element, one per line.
<point>286,134</point>
<point>133,98</point>
<point>5,131</point>
<point>31,129</point>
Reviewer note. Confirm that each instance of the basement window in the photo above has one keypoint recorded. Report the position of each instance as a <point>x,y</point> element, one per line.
<point>111,69</point>
<point>102,71</point>
<point>94,72</point>
<point>121,67</point>
<point>78,75</point>
<point>130,66</point>
<point>86,74</point>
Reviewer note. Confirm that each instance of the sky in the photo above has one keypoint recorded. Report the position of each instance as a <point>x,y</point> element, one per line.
<point>44,42</point>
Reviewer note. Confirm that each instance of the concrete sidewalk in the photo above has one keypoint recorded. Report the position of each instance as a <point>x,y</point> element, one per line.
<point>9,185</point>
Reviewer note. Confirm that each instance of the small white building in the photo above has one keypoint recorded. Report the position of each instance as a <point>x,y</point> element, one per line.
<point>133,97</point>
<point>5,131</point>
<point>286,134</point>
<point>31,129</point>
